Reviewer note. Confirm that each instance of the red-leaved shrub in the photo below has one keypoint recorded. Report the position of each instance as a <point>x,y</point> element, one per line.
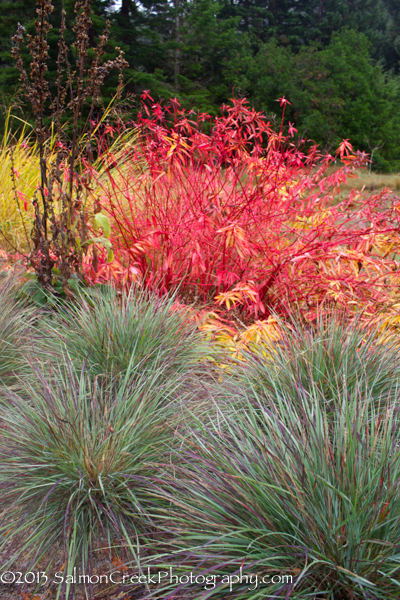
<point>243,217</point>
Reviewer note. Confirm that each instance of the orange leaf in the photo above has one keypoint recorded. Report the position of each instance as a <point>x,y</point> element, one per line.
<point>117,563</point>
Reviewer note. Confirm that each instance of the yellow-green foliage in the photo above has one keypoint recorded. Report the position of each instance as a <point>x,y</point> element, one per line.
<point>19,177</point>
<point>113,168</point>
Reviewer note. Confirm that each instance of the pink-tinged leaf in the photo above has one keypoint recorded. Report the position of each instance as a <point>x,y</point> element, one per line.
<point>292,130</point>
<point>282,101</point>
<point>23,199</point>
<point>146,95</point>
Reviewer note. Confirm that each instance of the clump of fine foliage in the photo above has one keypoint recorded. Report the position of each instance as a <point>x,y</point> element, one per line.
<point>288,475</point>
<point>78,465</point>
<point>286,483</point>
<point>133,330</point>
<point>333,357</point>
<point>16,320</point>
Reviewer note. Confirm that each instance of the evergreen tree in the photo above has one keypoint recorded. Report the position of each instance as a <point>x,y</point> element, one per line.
<point>199,50</point>
<point>12,12</point>
<point>305,21</point>
<point>335,92</point>
<point>388,47</point>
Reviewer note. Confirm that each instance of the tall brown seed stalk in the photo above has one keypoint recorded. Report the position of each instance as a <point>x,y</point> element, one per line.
<point>60,230</point>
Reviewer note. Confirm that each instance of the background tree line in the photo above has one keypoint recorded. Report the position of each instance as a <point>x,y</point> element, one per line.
<point>337,61</point>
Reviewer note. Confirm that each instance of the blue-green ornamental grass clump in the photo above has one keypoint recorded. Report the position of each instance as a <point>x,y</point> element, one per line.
<point>292,485</point>
<point>109,331</point>
<point>332,357</point>
<point>78,466</point>
<point>16,331</point>
<point>280,479</point>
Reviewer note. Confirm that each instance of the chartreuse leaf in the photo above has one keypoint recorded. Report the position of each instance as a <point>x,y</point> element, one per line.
<point>103,222</point>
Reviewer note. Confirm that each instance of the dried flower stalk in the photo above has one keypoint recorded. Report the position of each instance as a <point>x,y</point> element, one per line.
<point>60,230</point>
